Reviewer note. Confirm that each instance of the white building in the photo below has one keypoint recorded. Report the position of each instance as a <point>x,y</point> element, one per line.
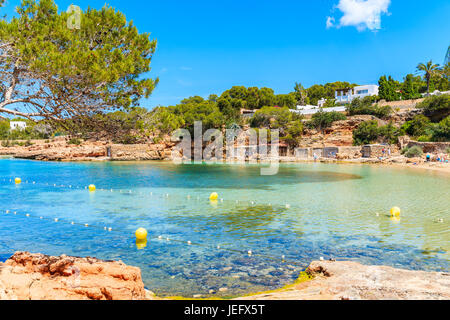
<point>346,95</point>
<point>307,110</point>
<point>17,125</point>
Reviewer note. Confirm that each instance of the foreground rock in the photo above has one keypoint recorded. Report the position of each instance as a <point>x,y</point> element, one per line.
<point>27,276</point>
<point>346,280</point>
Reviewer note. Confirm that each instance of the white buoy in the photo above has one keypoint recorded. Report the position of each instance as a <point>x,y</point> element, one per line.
<point>109,229</point>
<point>288,206</point>
<point>27,215</point>
<point>250,252</point>
<point>86,225</point>
<point>189,243</point>
<point>56,219</point>
<point>218,247</point>
<point>160,237</point>
<point>321,258</point>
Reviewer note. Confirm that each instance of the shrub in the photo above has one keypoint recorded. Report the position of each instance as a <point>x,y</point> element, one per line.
<point>436,107</point>
<point>366,133</point>
<point>321,119</point>
<point>74,141</point>
<point>364,106</point>
<point>441,131</point>
<point>389,133</point>
<point>417,126</point>
<point>414,152</point>
<point>369,132</point>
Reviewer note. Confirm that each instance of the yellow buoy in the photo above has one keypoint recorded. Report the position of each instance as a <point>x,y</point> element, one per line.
<point>18,180</point>
<point>395,212</point>
<point>214,196</point>
<point>141,244</point>
<point>92,188</point>
<point>141,234</point>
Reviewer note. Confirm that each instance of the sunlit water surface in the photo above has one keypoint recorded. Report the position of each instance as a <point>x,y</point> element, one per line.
<point>305,212</point>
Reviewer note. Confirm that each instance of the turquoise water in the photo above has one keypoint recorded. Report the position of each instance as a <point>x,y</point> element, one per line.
<point>305,212</point>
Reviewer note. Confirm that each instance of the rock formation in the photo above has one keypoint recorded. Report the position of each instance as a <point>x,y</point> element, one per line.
<point>346,280</point>
<point>27,276</point>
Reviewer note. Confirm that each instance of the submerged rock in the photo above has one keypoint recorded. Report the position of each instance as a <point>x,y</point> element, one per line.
<point>345,280</point>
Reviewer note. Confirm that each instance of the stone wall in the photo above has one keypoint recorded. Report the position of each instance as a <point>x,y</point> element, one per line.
<point>131,152</point>
<point>404,104</point>
<point>328,152</point>
<point>430,147</point>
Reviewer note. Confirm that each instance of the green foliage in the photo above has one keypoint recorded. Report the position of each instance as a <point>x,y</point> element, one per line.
<point>273,117</point>
<point>74,141</point>
<point>436,107</point>
<point>388,89</point>
<point>32,131</point>
<point>410,87</point>
<point>364,106</point>
<point>429,70</point>
<point>321,120</point>
<point>97,67</point>
<point>366,133</point>
<point>441,131</point>
<point>369,132</point>
<point>413,152</point>
<point>417,126</point>
<point>289,123</point>
<point>205,111</point>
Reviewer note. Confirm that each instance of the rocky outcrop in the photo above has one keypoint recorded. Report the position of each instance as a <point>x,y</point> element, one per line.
<point>345,280</point>
<point>340,134</point>
<point>27,276</point>
<point>59,149</point>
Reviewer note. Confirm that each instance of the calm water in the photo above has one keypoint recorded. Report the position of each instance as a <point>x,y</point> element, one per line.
<point>305,212</point>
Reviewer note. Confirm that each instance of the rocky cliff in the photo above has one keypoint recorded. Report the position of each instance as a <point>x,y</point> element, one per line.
<point>27,276</point>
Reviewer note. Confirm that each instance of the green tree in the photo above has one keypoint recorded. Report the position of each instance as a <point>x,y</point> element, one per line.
<point>366,133</point>
<point>429,69</point>
<point>417,126</point>
<point>441,132</point>
<point>56,72</point>
<point>321,120</point>
<point>315,93</point>
<point>388,89</point>
<point>436,107</point>
<point>410,89</point>
<point>301,95</point>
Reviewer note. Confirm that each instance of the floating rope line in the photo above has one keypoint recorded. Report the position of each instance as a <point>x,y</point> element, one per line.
<point>160,238</point>
<point>164,196</point>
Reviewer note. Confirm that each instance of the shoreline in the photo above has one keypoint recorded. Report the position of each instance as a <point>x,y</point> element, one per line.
<point>27,276</point>
<point>431,166</point>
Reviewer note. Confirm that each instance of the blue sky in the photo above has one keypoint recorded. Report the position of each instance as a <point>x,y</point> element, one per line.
<point>208,46</point>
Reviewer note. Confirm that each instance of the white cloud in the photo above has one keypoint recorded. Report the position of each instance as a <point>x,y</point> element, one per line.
<point>330,22</point>
<point>185,68</point>
<point>362,14</point>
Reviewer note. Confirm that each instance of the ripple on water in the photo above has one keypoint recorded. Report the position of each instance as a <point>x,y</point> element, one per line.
<point>305,212</point>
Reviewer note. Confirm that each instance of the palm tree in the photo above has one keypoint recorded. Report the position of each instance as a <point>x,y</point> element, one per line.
<point>429,70</point>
